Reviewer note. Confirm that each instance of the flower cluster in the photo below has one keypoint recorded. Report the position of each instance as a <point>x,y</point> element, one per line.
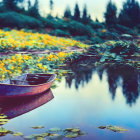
<point>20,40</point>
<point>17,64</point>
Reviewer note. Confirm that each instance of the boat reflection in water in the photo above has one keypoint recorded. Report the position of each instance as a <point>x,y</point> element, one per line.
<point>15,106</point>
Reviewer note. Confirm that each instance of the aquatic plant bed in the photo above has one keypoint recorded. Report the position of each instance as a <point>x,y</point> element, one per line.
<point>117,52</point>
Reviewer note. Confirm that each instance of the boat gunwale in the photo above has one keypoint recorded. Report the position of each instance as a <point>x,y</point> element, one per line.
<point>32,85</point>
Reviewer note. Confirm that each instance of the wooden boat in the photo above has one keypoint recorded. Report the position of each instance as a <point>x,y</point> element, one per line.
<point>27,84</point>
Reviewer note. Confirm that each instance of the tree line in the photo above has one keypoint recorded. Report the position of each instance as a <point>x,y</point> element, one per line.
<point>128,16</point>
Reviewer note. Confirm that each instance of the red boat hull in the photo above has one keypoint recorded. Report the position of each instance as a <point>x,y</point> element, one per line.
<point>24,90</point>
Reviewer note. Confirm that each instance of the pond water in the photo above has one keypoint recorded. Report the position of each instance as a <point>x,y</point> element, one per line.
<point>87,97</point>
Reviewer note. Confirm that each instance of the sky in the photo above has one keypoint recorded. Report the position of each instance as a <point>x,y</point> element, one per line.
<point>96,8</point>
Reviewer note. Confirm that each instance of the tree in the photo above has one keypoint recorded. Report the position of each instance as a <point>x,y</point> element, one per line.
<point>51,6</point>
<point>67,13</point>
<point>111,14</point>
<point>85,17</point>
<point>29,4</point>
<point>96,20</point>
<point>76,13</point>
<point>34,10</point>
<point>12,4</point>
<point>130,14</point>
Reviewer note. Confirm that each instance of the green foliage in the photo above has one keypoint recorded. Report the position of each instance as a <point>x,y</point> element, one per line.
<point>123,29</point>
<point>96,25</point>
<point>60,33</point>
<point>16,20</point>
<point>96,40</point>
<point>29,4</point>
<point>110,14</point>
<point>12,5</point>
<point>118,51</point>
<point>81,38</point>
<point>67,13</point>
<point>58,133</point>
<point>55,23</point>
<point>4,132</point>
<point>51,5</point>
<point>123,48</point>
<point>130,14</point>
<point>85,18</point>
<point>79,29</point>
<point>38,127</point>
<point>76,13</point>
<point>34,10</point>
<point>17,134</point>
<point>2,8</point>
<point>113,128</point>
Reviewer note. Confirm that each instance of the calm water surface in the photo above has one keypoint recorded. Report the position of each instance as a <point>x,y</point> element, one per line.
<point>86,98</point>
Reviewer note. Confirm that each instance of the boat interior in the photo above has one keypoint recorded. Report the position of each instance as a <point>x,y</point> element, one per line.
<point>29,79</point>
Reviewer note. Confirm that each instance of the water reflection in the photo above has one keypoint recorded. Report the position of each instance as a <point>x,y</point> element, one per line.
<point>81,72</point>
<point>117,75</point>
<point>13,107</point>
<point>130,81</point>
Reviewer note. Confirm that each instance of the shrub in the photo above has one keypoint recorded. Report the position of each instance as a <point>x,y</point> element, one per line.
<point>123,48</point>
<point>123,29</point>
<point>59,32</point>
<point>81,38</point>
<point>13,19</point>
<point>54,23</point>
<point>79,29</point>
<point>96,25</point>
<point>96,40</point>
<point>49,23</point>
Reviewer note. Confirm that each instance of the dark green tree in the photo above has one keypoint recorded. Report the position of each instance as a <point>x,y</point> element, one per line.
<point>76,12</point>
<point>51,6</point>
<point>96,20</point>
<point>34,10</point>
<point>29,4</point>
<point>111,14</point>
<point>130,14</point>
<point>85,16</point>
<point>67,12</point>
<point>12,4</point>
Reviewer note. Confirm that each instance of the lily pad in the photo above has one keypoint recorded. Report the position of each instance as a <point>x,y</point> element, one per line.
<point>30,137</point>
<point>40,138</point>
<point>113,128</point>
<point>4,131</point>
<point>18,134</point>
<point>75,130</point>
<point>68,129</point>
<point>82,133</point>
<point>2,116</point>
<point>102,127</point>
<point>55,129</point>
<point>71,135</point>
<point>116,128</point>
<point>3,119</point>
<point>56,137</point>
<point>44,135</point>
<point>38,127</point>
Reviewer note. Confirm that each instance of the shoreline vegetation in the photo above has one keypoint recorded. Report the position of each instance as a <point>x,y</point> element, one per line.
<point>61,51</point>
<point>36,44</point>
